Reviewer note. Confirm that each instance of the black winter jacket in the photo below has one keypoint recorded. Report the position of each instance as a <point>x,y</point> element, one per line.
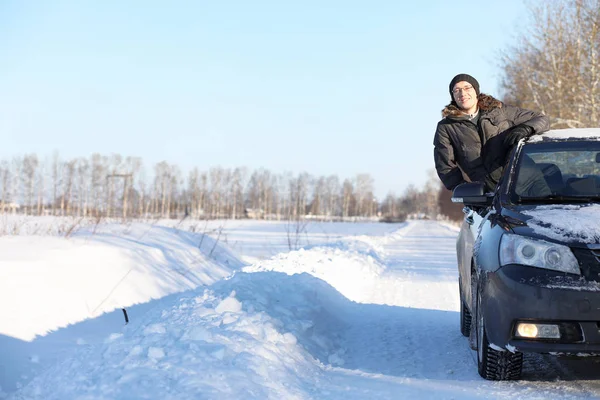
<point>458,142</point>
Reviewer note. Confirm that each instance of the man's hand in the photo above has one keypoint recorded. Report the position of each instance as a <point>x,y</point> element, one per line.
<point>516,133</point>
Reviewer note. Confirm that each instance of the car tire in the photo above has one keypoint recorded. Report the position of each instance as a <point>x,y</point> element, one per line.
<point>465,318</point>
<point>492,364</point>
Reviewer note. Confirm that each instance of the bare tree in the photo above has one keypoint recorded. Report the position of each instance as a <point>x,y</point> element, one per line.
<point>204,199</point>
<point>67,196</point>
<point>266,192</point>
<point>101,169</point>
<point>5,178</point>
<point>282,187</point>
<point>410,200</point>
<point>174,191</point>
<point>132,167</point>
<point>260,192</point>
<point>276,197</point>
<point>56,180</point>
<point>30,165</point>
<point>332,196</point>
<point>194,192</point>
<point>83,181</point>
<point>431,192</point>
<point>299,188</point>
<point>162,189</point>
<point>296,221</point>
<point>236,192</point>
<point>41,188</point>
<point>389,207</point>
<point>317,206</point>
<point>216,181</point>
<point>348,199</point>
<point>17,171</point>
<point>556,66</point>
<point>364,195</point>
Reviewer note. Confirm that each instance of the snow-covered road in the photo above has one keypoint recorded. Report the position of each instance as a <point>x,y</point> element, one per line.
<point>353,317</point>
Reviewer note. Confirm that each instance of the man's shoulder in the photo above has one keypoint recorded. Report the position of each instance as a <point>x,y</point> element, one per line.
<point>451,111</point>
<point>447,121</point>
<point>488,104</point>
<point>443,124</point>
<point>452,119</point>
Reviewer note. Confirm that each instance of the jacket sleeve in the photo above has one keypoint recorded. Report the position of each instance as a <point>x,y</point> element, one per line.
<point>538,121</point>
<point>445,164</point>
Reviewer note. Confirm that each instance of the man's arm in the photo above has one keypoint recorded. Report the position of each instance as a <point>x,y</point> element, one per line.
<point>445,164</point>
<point>538,121</point>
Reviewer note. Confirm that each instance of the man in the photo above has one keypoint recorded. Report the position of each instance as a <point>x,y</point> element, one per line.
<point>531,181</point>
<point>476,133</point>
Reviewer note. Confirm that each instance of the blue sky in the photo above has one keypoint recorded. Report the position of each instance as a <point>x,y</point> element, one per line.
<point>326,87</point>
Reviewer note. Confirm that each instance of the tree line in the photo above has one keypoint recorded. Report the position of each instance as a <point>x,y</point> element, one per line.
<point>117,186</point>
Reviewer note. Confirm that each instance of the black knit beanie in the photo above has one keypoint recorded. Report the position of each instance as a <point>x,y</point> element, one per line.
<point>466,78</point>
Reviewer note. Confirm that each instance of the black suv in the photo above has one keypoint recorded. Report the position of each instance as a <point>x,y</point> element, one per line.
<point>529,254</point>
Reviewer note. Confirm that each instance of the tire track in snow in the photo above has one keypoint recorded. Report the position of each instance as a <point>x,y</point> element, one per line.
<point>420,266</point>
<point>417,336</point>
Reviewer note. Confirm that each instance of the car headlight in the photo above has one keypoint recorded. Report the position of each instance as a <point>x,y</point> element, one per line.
<point>515,249</point>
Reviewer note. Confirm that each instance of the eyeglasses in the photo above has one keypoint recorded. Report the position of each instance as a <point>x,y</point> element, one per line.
<point>463,89</point>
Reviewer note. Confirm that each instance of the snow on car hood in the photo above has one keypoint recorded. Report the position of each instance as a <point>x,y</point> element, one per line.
<point>574,133</point>
<point>568,223</point>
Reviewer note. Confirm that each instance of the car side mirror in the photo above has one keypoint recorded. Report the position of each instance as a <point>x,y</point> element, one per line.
<point>471,194</point>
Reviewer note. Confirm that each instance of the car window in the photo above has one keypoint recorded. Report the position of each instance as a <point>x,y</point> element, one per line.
<point>559,169</point>
<point>530,181</point>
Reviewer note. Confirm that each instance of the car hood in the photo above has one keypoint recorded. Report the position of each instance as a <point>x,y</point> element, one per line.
<point>573,224</point>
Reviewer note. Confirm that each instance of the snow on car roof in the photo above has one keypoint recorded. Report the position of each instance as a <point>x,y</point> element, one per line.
<point>563,134</point>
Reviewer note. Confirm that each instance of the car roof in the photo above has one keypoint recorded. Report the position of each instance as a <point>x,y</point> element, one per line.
<point>567,134</point>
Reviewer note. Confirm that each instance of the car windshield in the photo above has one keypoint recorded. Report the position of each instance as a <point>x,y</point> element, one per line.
<point>558,172</point>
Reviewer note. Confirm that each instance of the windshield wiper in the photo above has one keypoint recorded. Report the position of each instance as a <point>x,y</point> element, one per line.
<point>553,198</point>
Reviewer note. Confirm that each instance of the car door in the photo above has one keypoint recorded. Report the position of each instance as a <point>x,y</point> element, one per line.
<point>464,249</point>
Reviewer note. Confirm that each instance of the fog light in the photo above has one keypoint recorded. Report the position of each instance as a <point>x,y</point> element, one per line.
<point>538,331</point>
<point>527,330</point>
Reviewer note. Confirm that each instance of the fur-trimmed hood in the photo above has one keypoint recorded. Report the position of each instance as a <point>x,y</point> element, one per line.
<point>485,102</point>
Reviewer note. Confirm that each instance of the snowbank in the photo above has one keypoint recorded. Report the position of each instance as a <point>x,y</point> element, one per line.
<point>254,335</point>
<point>96,272</point>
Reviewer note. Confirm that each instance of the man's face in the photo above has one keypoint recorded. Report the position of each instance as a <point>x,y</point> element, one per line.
<point>464,95</point>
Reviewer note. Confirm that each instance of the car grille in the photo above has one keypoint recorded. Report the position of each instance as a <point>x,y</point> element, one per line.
<point>589,263</point>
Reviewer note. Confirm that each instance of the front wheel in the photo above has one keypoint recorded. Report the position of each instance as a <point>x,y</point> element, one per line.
<point>495,365</point>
